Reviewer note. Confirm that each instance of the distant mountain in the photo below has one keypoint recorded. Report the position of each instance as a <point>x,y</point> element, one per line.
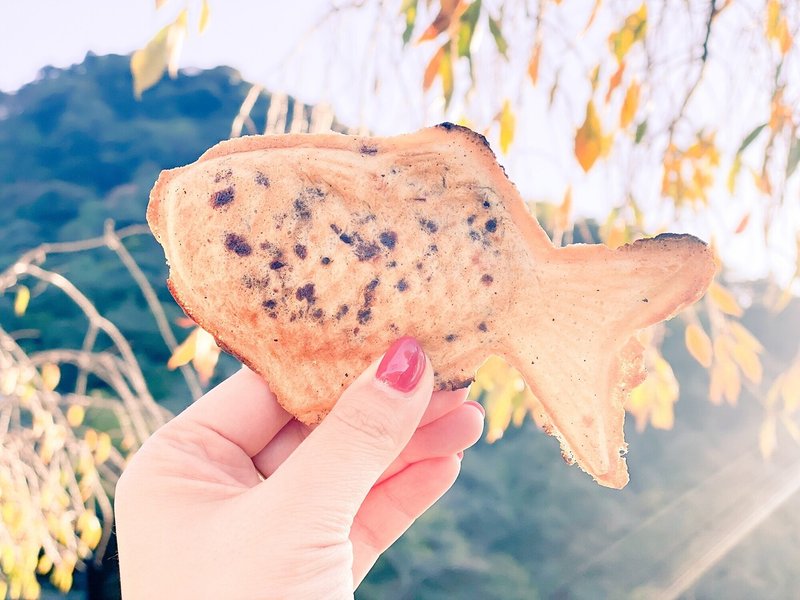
<point>76,147</point>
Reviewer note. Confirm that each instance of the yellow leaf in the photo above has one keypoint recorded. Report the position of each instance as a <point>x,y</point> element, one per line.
<point>175,38</point>
<point>432,69</point>
<point>589,139</point>
<point>784,37</point>
<point>160,3</point>
<point>766,437</point>
<point>724,300</point>
<point>629,105</point>
<point>762,182</point>
<point>90,437</point>
<point>90,530</point>
<point>103,450</point>
<point>204,14</point>
<point>149,63</point>
<point>51,375</point>
<point>533,64</point>
<point>773,19</point>
<point>3,588</point>
<point>744,336</point>
<point>632,31</point>
<point>43,566</point>
<point>699,344</point>
<point>446,73</point>
<point>592,16</point>
<point>21,300</point>
<point>15,587</point>
<point>736,167</point>
<point>61,577</point>
<point>731,382</point>
<point>742,224</point>
<point>75,415</point>
<point>184,352</point>
<point>450,12</point>
<point>507,125</point>
<point>206,355</point>
<point>749,362</point>
<point>615,80</point>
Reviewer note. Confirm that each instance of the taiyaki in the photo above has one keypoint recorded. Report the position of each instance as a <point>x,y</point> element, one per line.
<point>306,255</point>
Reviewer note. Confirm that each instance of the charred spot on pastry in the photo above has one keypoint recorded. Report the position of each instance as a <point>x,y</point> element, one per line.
<point>325,260</point>
<point>432,249</point>
<point>302,204</point>
<point>237,244</point>
<point>447,125</point>
<point>487,279</point>
<point>388,239</point>
<point>471,219</point>
<point>222,197</point>
<point>486,204</point>
<point>419,266</point>
<point>491,225</point>
<point>336,229</point>
<point>450,337</point>
<point>220,175</point>
<point>474,235</point>
<point>369,292</point>
<point>369,150</point>
<point>300,251</point>
<point>251,282</point>
<point>342,311</point>
<point>306,293</point>
<point>364,315</point>
<point>301,209</point>
<point>366,251</point>
<point>356,330</point>
<point>269,304</point>
<point>317,314</point>
<point>276,264</point>
<point>482,326</point>
<point>401,285</point>
<point>347,239</point>
<point>261,179</point>
<point>429,225</point>
<point>391,264</point>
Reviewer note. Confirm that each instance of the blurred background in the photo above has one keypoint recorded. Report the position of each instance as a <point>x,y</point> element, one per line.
<point>616,120</point>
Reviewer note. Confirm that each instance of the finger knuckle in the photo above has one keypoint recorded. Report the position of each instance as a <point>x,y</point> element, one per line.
<point>381,428</point>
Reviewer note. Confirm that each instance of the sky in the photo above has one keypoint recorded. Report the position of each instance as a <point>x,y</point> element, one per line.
<point>260,39</point>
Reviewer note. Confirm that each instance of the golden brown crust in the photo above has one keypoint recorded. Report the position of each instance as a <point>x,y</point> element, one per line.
<point>305,256</point>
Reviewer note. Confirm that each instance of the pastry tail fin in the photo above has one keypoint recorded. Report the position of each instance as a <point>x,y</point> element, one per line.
<point>577,347</point>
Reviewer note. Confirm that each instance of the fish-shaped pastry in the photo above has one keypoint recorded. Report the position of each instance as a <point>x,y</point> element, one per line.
<point>305,256</point>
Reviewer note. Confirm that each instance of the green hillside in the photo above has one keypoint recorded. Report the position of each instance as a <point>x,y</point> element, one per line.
<point>77,149</point>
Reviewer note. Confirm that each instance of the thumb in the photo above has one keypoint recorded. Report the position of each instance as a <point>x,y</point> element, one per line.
<point>332,471</point>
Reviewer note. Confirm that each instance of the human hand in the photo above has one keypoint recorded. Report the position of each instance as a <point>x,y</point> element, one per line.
<point>235,499</point>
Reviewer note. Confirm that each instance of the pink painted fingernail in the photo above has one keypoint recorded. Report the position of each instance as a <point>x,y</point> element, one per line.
<point>402,365</point>
<point>478,406</point>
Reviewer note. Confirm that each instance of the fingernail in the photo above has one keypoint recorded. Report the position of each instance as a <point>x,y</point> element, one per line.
<point>402,365</point>
<point>460,455</point>
<point>478,406</point>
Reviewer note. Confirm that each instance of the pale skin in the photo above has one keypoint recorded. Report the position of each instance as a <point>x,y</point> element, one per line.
<point>235,499</point>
